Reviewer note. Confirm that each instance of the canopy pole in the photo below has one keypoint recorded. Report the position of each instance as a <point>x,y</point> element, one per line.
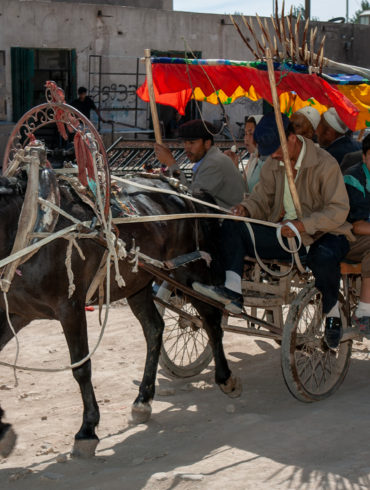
<point>153,106</point>
<point>283,141</point>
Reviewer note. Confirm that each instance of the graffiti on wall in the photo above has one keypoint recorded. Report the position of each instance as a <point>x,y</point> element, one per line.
<point>114,94</point>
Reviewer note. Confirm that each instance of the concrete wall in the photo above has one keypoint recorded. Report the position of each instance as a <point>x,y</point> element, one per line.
<point>121,33</point>
<point>346,43</point>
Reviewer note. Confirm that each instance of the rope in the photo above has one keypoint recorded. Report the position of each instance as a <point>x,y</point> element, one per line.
<point>15,336</point>
<point>68,262</point>
<point>59,210</point>
<point>75,365</point>
<point>225,117</point>
<point>41,243</point>
<point>112,252</point>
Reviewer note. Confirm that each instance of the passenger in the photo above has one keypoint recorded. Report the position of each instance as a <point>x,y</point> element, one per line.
<point>251,166</point>
<point>305,122</point>
<point>331,134</point>
<point>256,161</point>
<point>325,207</point>
<point>213,172</point>
<point>358,187</point>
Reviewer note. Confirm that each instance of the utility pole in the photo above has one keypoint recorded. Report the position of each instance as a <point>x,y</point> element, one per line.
<point>307,9</point>
<point>347,7</point>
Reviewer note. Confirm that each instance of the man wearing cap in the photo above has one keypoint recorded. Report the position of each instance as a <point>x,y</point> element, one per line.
<point>331,134</point>
<point>305,121</point>
<point>213,172</point>
<point>323,228</point>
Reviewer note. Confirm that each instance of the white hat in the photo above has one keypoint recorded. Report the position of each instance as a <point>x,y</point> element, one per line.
<point>334,121</point>
<point>312,115</point>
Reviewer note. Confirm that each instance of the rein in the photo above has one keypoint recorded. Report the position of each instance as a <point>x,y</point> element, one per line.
<point>112,253</point>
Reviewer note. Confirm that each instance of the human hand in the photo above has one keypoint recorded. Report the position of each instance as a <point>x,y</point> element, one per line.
<point>164,155</point>
<point>289,233</point>
<point>239,210</point>
<point>234,157</point>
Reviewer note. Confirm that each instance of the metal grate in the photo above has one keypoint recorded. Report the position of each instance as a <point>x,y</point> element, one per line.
<point>138,156</point>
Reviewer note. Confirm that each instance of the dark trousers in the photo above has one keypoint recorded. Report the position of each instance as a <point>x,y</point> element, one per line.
<point>323,258</point>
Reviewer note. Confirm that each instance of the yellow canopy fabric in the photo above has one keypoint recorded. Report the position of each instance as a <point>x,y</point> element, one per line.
<point>359,95</point>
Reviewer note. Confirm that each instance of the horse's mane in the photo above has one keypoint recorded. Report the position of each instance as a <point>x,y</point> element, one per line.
<point>10,204</point>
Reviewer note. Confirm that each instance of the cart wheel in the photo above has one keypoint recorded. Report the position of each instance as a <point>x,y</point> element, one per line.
<point>185,350</point>
<point>311,370</point>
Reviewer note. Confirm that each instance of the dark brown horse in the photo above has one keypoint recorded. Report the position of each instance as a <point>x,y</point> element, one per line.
<point>40,291</point>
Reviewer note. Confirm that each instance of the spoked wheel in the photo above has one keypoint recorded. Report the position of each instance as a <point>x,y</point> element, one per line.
<point>311,370</point>
<point>185,350</point>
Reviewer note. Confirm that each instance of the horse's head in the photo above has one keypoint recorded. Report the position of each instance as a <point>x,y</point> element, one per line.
<point>11,199</point>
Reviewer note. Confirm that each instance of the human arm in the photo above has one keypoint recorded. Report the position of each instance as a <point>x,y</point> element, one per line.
<point>288,232</point>
<point>361,227</point>
<point>100,116</point>
<point>332,206</point>
<point>164,155</point>
<point>94,108</point>
<point>233,156</point>
<point>259,202</point>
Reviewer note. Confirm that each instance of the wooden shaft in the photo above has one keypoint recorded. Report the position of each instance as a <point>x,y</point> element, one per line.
<point>284,145</point>
<point>27,219</point>
<point>153,107</point>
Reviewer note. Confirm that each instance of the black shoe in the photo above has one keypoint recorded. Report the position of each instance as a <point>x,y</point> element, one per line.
<point>333,331</point>
<point>233,301</point>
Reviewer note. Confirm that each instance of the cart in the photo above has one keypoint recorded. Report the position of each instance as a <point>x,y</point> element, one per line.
<point>286,309</point>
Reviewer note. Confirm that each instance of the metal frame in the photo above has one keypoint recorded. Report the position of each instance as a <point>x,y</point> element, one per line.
<point>100,74</point>
<point>129,156</point>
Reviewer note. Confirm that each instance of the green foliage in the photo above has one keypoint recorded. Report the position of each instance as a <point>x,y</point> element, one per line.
<point>365,5</point>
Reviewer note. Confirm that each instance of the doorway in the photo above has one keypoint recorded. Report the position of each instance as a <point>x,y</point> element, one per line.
<point>32,67</point>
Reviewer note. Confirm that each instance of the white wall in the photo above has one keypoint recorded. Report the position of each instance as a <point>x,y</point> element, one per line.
<point>120,35</point>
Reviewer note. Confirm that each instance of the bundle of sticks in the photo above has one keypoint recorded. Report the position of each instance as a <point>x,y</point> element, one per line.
<point>287,41</point>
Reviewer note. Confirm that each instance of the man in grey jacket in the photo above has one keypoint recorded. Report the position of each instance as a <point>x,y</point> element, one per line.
<point>213,172</point>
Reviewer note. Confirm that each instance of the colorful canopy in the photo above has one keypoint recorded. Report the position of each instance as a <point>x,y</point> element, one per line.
<point>177,80</point>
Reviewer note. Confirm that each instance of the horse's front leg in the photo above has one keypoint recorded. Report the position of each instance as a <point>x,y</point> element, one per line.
<point>143,307</point>
<point>228,383</point>
<point>7,437</point>
<point>73,320</point>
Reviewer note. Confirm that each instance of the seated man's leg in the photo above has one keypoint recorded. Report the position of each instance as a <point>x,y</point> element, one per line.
<point>236,244</point>
<point>324,259</point>
<point>360,252</point>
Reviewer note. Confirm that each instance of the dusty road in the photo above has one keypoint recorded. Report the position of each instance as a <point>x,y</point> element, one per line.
<point>197,437</point>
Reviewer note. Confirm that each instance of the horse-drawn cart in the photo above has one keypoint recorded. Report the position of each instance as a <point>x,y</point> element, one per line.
<point>286,309</point>
<point>280,301</point>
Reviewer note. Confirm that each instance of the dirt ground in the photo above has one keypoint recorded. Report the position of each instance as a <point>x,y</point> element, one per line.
<point>197,438</point>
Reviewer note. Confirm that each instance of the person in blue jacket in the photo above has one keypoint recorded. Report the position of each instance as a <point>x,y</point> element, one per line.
<point>357,181</point>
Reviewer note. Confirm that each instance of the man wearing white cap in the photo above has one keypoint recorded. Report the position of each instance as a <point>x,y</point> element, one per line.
<point>331,134</point>
<point>305,121</point>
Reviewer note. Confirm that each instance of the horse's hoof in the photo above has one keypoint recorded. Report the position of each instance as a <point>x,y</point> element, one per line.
<point>141,412</point>
<point>7,441</point>
<point>84,448</point>
<point>233,387</point>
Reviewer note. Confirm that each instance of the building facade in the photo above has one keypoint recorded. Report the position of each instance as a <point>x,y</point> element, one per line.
<point>98,45</point>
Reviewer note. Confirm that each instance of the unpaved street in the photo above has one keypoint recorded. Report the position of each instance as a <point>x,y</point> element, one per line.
<point>197,437</point>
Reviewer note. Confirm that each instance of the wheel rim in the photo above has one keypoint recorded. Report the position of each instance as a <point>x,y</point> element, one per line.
<point>183,341</point>
<point>316,367</point>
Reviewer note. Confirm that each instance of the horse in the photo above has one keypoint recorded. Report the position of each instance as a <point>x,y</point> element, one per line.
<point>40,290</point>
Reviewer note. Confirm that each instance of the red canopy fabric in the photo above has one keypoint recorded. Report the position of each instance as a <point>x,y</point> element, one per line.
<point>173,84</point>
